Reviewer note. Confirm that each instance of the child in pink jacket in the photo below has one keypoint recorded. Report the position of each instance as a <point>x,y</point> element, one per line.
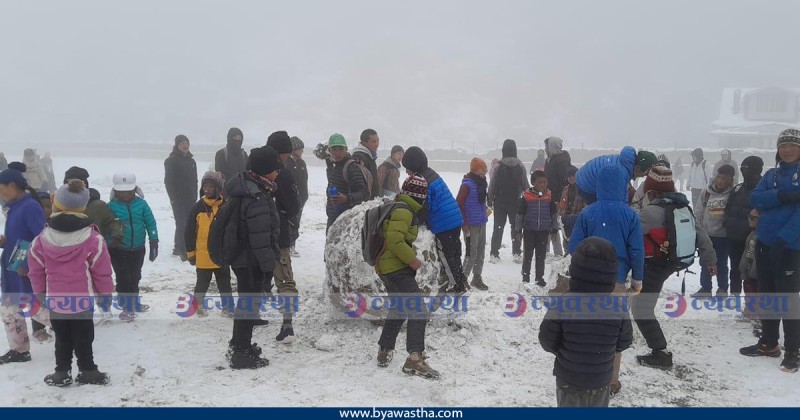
<point>69,262</point>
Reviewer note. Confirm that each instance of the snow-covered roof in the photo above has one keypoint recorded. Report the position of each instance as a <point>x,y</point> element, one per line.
<point>729,119</point>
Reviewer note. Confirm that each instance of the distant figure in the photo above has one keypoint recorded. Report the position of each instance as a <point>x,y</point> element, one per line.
<point>698,179</point>
<point>47,166</point>
<point>538,164</point>
<point>231,159</point>
<point>34,174</point>
<point>180,178</point>
<point>677,171</point>
<point>389,173</point>
<point>365,154</point>
<point>727,160</point>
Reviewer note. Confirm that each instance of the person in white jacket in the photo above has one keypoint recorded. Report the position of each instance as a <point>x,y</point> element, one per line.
<point>698,179</point>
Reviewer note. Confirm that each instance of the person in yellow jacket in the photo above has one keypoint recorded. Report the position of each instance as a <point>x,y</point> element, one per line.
<point>196,239</point>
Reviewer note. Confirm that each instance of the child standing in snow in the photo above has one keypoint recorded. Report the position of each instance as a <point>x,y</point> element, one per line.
<point>537,214</point>
<point>127,258</point>
<point>196,239</point>
<point>472,201</point>
<point>585,348</point>
<point>710,213</point>
<point>69,262</point>
<point>397,268</point>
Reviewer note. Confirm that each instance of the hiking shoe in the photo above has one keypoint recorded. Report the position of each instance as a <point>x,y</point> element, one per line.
<point>540,282</point>
<point>416,365</point>
<point>93,377</point>
<point>759,350</point>
<point>254,349</point>
<point>127,316</point>
<point>614,388</point>
<point>517,258</point>
<point>722,293</point>
<point>260,322</point>
<point>42,336</point>
<point>702,293</point>
<point>384,356</point>
<point>245,359</point>
<point>59,379</point>
<point>286,335</point>
<point>789,363</point>
<point>458,289</point>
<point>494,259</point>
<point>477,282</point>
<point>659,359</point>
<point>15,357</point>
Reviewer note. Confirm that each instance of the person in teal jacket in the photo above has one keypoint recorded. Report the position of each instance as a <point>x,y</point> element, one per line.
<point>127,258</point>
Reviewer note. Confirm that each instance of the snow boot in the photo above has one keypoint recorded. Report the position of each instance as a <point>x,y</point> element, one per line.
<point>93,377</point>
<point>384,356</point>
<point>127,316</point>
<point>15,357</point>
<point>702,293</point>
<point>659,359</point>
<point>260,322</point>
<point>416,365</point>
<point>477,282</point>
<point>540,282</point>
<point>59,379</point>
<point>562,286</point>
<point>286,336</point>
<point>789,363</point>
<point>245,359</point>
<point>42,336</point>
<point>759,350</point>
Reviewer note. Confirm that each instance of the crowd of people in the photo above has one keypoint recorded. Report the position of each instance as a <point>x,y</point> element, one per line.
<point>624,240</point>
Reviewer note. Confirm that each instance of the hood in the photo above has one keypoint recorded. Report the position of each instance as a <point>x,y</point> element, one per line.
<point>390,161</point>
<point>726,154</point>
<point>407,199</point>
<point>509,148</point>
<point>627,158</point>
<point>66,247</point>
<point>178,153</point>
<point>711,188</point>
<point>94,194</point>
<point>612,184</point>
<point>553,145</point>
<point>242,185</point>
<point>697,154</point>
<point>511,161</point>
<point>360,148</point>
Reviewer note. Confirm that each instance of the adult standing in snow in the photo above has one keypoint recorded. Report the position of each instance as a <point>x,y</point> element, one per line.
<point>737,217</point>
<point>365,153</point>
<point>539,163</point>
<point>97,210</point>
<point>507,185</point>
<point>180,178</point>
<point>389,172</point>
<point>644,162</point>
<point>556,169</point>
<point>344,176</point>
<point>47,166</point>
<point>231,159</point>
<point>288,205</point>
<point>34,172</point>
<point>727,160</point>
<point>297,166</point>
<point>677,172</point>
<point>698,179</point>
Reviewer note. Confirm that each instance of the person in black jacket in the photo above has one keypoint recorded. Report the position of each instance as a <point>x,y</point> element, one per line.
<point>258,250</point>
<point>350,184</point>
<point>737,213</point>
<point>583,340</point>
<point>231,159</point>
<point>505,189</point>
<point>366,152</point>
<point>180,178</point>
<point>556,168</point>
<point>297,166</point>
<point>288,206</point>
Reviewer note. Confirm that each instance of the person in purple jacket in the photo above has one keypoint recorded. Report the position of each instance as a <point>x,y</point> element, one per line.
<point>475,212</point>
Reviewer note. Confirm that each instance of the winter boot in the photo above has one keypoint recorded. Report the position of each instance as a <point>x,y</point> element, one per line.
<point>722,293</point>
<point>93,377</point>
<point>517,258</point>
<point>254,350</point>
<point>384,356</point>
<point>540,282</point>
<point>562,286</point>
<point>526,278</point>
<point>260,322</point>
<point>15,357</point>
<point>59,378</point>
<point>477,282</point>
<point>759,350</point>
<point>702,293</point>
<point>416,365</point>
<point>286,336</point>
<point>245,359</point>
<point>42,336</point>
<point>789,364</point>
<point>659,359</point>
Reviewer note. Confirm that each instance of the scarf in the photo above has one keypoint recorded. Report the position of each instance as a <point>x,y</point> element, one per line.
<point>482,186</point>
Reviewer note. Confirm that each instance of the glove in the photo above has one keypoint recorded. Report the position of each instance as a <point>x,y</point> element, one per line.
<point>153,250</point>
<point>789,197</point>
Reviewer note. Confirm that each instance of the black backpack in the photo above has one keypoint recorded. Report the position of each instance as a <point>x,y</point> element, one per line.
<point>373,243</point>
<point>223,235</point>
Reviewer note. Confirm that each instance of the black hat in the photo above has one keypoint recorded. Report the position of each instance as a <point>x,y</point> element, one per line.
<point>235,134</point>
<point>509,148</point>
<point>752,165</point>
<point>76,172</point>
<point>415,160</point>
<point>593,268</point>
<point>180,138</point>
<point>264,160</point>
<point>280,141</point>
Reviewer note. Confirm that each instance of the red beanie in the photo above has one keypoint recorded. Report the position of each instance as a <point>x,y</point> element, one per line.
<point>659,179</point>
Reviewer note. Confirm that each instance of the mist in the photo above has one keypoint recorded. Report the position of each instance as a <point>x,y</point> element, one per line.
<point>439,74</point>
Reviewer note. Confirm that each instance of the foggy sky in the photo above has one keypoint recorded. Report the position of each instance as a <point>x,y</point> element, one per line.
<point>436,73</point>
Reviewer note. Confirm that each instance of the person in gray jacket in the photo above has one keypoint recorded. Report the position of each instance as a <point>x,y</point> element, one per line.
<point>710,213</point>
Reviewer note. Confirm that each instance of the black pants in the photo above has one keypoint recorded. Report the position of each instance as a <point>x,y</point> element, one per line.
<point>644,304</point>
<point>403,283</point>
<point>128,270</point>
<point>735,252</point>
<point>567,396</point>
<point>500,216</point>
<point>449,246</point>
<point>779,274</point>
<point>74,333</point>
<point>180,211</point>
<point>535,241</point>
<point>250,283</point>
<point>223,275</point>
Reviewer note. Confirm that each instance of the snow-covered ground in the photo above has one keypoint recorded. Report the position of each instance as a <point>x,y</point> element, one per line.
<point>486,359</point>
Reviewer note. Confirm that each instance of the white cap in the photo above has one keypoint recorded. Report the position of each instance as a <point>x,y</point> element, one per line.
<point>124,181</point>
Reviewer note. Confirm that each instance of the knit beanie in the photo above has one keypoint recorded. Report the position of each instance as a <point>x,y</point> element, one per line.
<point>72,196</point>
<point>264,160</point>
<point>789,136</point>
<point>415,160</point>
<point>476,164</point>
<point>180,138</point>
<point>416,186</point>
<point>509,148</point>
<point>76,172</point>
<point>593,268</point>
<point>297,144</point>
<point>396,149</point>
<point>281,142</point>
<point>645,160</point>
<point>659,179</point>
<point>752,165</point>
<point>12,175</point>
<point>214,178</point>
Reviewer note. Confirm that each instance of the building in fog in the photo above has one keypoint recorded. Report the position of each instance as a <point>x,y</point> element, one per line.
<point>753,117</point>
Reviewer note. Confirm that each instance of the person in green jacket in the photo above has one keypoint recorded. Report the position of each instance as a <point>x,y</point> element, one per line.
<point>397,268</point>
<point>97,210</point>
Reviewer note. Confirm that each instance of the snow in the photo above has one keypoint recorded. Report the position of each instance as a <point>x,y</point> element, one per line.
<point>486,358</point>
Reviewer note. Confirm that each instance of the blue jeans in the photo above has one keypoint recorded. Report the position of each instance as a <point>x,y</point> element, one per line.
<point>722,248</point>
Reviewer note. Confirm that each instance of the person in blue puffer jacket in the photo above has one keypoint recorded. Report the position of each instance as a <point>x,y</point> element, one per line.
<point>628,160</point>
<point>777,198</point>
<point>127,258</point>
<point>442,216</point>
<point>610,218</point>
